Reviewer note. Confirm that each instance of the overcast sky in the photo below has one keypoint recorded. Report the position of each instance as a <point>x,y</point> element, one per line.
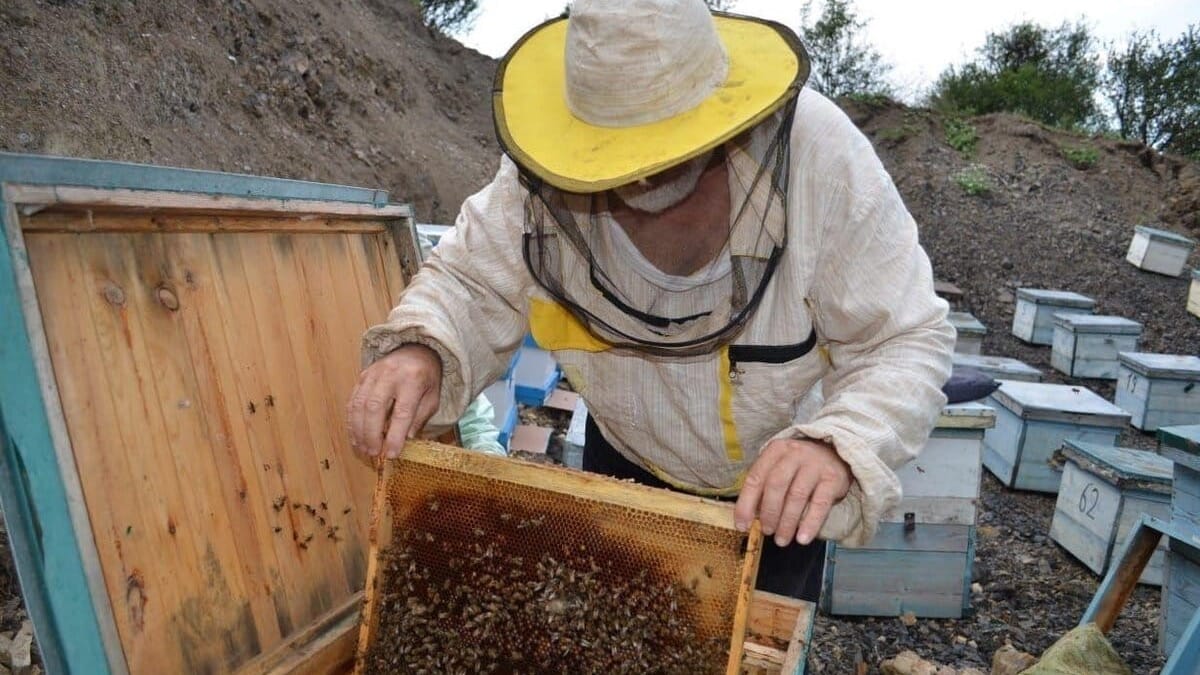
<point>919,38</point>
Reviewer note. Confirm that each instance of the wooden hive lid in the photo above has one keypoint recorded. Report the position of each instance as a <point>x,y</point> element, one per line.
<point>970,415</point>
<point>1122,466</point>
<point>965,322</point>
<point>995,364</point>
<point>1061,298</point>
<point>1059,403</point>
<point>1165,235</point>
<point>1098,323</point>
<point>1181,444</point>
<point>1180,366</point>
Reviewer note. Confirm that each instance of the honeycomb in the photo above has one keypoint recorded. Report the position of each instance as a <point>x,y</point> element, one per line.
<point>499,566</point>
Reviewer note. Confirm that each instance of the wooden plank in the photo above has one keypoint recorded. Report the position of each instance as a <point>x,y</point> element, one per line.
<point>45,170</point>
<point>320,647</point>
<point>923,604</point>
<point>88,221</point>
<point>125,199</point>
<point>84,295</point>
<point>298,428</point>
<point>576,483</point>
<point>1121,578</point>
<point>1085,517</point>
<point>378,538</point>
<point>244,390</point>
<point>933,510</point>
<point>40,476</point>
<point>745,589</point>
<point>1185,659</point>
<point>946,467</point>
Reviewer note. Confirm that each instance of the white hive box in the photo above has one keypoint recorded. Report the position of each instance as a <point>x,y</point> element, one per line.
<point>921,559</point>
<point>1159,390</point>
<point>1159,251</point>
<point>1181,583</point>
<point>969,332</point>
<point>1193,301</point>
<point>1033,320</point>
<point>999,367</point>
<point>1033,420</point>
<point>1086,345</point>
<point>1104,492</point>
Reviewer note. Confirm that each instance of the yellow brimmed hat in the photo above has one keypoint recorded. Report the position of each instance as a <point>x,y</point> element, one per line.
<point>624,89</point>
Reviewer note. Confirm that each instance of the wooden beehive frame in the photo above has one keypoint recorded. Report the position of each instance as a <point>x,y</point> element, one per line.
<point>589,486</point>
<point>71,196</point>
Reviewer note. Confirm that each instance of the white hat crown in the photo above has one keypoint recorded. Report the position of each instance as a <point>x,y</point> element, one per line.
<point>634,62</point>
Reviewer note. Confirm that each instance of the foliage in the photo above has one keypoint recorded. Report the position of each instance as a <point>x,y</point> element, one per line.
<point>961,135</point>
<point>842,64</point>
<point>448,16</point>
<point>1048,74</point>
<point>1154,90</point>
<point>1080,156</point>
<point>974,180</point>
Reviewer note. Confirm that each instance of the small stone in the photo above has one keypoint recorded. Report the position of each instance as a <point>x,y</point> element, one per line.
<point>1044,568</point>
<point>971,671</point>
<point>977,588</point>
<point>908,663</point>
<point>1009,660</point>
<point>960,639</point>
<point>19,654</point>
<point>908,619</point>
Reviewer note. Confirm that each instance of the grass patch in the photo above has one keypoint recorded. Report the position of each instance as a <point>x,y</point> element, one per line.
<point>1081,157</point>
<point>873,99</point>
<point>974,180</point>
<point>896,134</point>
<point>961,135</point>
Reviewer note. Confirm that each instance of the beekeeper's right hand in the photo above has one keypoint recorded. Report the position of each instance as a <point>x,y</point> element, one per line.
<point>394,398</point>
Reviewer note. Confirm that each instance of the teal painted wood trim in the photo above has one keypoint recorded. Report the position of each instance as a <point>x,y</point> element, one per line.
<point>44,170</point>
<point>34,499</point>
<point>802,662</point>
<point>1185,658</point>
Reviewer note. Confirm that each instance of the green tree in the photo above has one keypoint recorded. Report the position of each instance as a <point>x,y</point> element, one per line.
<point>448,16</point>
<point>1048,74</point>
<point>1154,90</point>
<point>842,62</point>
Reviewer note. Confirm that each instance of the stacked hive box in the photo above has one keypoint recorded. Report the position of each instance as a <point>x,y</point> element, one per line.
<point>1181,582</point>
<point>1033,320</point>
<point>969,332</point>
<point>1104,492</point>
<point>999,367</point>
<point>1193,301</point>
<point>1159,251</point>
<point>1159,389</point>
<point>1086,345</point>
<point>921,559</point>
<point>1033,420</point>
<point>536,374</point>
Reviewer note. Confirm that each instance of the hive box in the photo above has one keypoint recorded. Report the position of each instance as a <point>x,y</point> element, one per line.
<point>999,367</point>
<point>1181,582</point>
<point>1034,419</point>
<point>1193,301</point>
<point>969,332</point>
<point>1159,389</point>
<point>1159,251</point>
<point>1033,320</point>
<point>1086,345</point>
<point>1104,492</point>
<point>536,374</point>
<point>921,559</point>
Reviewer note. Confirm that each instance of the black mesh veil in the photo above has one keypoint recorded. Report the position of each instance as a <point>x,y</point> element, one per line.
<point>570,251</point>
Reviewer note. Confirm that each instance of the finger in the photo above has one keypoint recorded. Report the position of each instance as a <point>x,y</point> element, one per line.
<point>823,497</point>
<point>798,494</point>
<point>356,411</point>
<point>377,403</point>
<point>408,420</point>
<point>756,479</point>
<point>775,492</point>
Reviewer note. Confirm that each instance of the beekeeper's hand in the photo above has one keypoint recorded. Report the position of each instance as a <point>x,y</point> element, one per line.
<point>397,394</point>
<point>791,487</point>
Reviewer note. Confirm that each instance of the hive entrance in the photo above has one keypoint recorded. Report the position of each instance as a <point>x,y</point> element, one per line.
<point>493,565</point>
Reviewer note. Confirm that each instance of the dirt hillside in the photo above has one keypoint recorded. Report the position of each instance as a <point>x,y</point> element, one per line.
<point>352,91</point>
<point>359,92</point>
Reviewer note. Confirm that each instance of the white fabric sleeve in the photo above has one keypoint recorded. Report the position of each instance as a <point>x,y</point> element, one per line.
<point>469,301</point>
<point>885,334</point>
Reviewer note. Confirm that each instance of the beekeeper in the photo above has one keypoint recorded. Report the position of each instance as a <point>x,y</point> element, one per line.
<point>701,241</point>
